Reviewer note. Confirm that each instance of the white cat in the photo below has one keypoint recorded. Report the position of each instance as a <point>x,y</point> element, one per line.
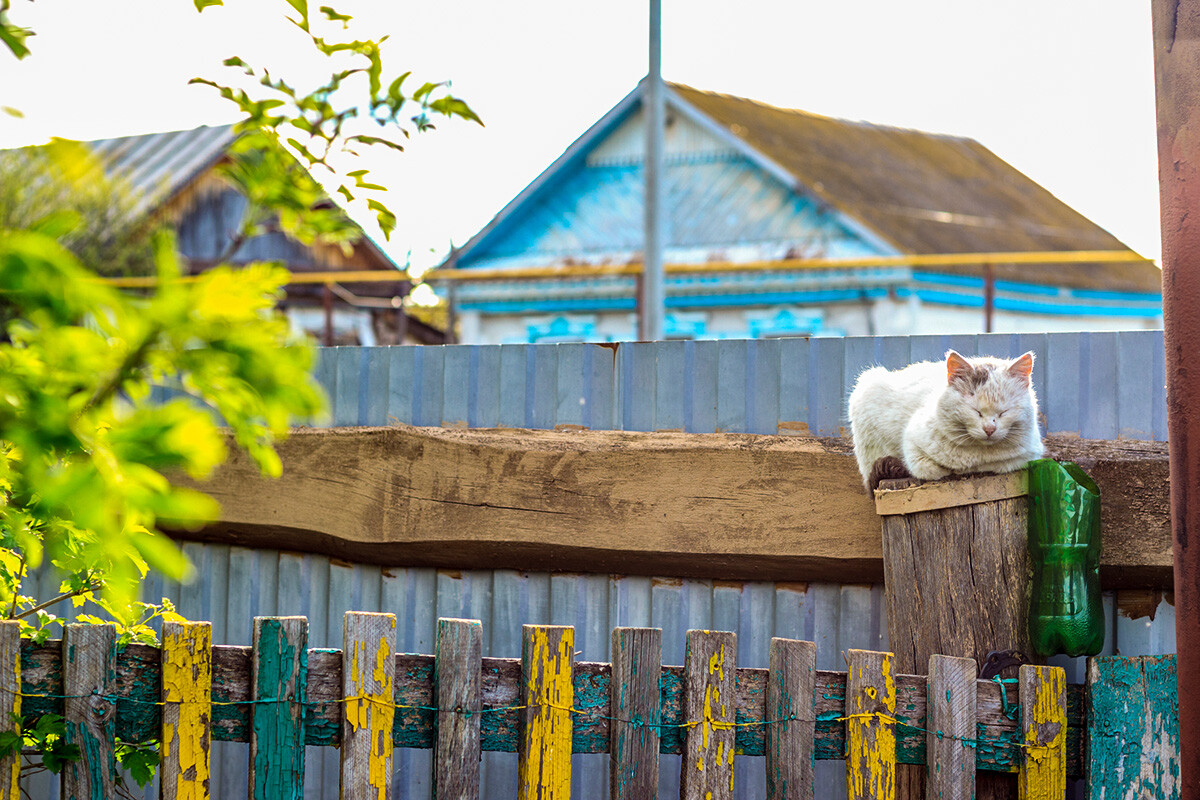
<point>957,416</point>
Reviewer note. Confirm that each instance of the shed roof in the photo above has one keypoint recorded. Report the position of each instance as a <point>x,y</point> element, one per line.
<point>925,193</point>
<point>162,166</point>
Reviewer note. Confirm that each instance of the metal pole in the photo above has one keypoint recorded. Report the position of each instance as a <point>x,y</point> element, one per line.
<point>989,297</point>
<point>1177,95</point>
<point>327,304</point>
<point>654,295</point>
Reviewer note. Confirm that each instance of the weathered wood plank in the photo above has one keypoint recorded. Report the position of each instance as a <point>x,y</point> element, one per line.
<point>138,718</point>
<point>636,708</point>
<point>10,704</point>
<point>791,712</point>
<point>870,725</point>
<point>950,725</point>
<point>458,695</point>
<point>89,677</point>
<point>635,503</point>
<point>1133,739</point>
<point>186,711</point>
<point>951,494</point>
<point>547,692</point>
<point>279,688</point>
<point>1043,773</point>
<point>368,679</point>
<point>710,670</point>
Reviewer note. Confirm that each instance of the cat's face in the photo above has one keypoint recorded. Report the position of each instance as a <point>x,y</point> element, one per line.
<point>987,399</point>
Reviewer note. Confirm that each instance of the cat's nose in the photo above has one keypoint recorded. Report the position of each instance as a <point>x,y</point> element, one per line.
<point>989,428</point>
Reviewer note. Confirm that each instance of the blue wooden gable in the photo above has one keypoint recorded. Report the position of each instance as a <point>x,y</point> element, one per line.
<point>747,183</point>
<point>722,204</point>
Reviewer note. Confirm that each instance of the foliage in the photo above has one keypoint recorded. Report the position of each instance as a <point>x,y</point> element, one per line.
<point>110,237</point>
<point>293,132</point>
<point>94,462</point>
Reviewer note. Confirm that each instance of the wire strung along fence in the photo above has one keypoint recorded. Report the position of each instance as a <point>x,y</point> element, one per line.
<point>1118,731</point>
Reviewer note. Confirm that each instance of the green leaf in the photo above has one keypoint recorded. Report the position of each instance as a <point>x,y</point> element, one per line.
<point>203,4</point>
<point>453,107</point>
<point>368,140</point>
<point>301,7</point>
<point>384,216</point>
<point>13,112</point>
<point>425,90</point>
<point>14,36</point>
<point>140,762</point>
<point>334,16</point>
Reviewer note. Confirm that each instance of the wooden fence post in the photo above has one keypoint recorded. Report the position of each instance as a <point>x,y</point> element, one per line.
<point>10,705</point>
<point>870,725</point>
<point>636,711</point>
<point>548,694</point>
<point>710,680</point>
<point>186,711</point>
<point>1043,771</point>
<point>1133,728</point>
<point>956,573</point>
<point>458,696</point>
<point>368,710</point>
<point>89,679</point>
<point>279,689</point>
<point>792,715</point>
<point>952,702</point>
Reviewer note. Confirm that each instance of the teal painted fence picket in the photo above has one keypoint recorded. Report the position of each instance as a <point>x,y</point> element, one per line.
<point>278,695</point>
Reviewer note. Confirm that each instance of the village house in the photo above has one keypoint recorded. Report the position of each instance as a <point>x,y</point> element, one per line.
<point>176,175</point>
<point>747,183</point>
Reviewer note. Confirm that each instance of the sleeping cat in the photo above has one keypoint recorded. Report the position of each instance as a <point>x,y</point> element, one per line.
<point>958,416</point>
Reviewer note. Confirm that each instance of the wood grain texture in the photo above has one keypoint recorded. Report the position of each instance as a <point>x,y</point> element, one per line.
<point>955,582</point>
<point>1133,738</point>
<point>710,691</point>
<point>547,684</point>
<point>458,695</point>
<point>739,506</point>
<point>950,722</point>
<point>636,707</point>
<point>963,491</point>
<point>1043,773</point>
<point>792,700</point>
<point>10,704</point>
<point>187,711</point>
<point>279,683</point>
<point>368,712</point>
<point>89,677</point>
<point>870,725</point>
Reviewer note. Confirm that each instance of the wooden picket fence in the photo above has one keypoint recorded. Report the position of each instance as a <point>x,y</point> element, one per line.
<point>278,695</point>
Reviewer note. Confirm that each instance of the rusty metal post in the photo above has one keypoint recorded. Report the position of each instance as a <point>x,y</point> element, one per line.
<point>327,304</point>
<point>1177,93</point>
<point>989,297</point>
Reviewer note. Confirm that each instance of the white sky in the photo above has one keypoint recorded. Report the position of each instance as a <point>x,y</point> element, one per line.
<point>1061,89</point>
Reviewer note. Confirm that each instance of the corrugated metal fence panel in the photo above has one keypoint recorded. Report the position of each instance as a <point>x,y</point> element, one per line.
<point>235,584</point>
<point>1096,385</point>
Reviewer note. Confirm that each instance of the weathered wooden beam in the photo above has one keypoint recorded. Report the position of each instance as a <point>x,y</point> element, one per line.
<point>734,505</point>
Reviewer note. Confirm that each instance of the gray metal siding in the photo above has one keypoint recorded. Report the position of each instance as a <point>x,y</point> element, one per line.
<point>1097,385</point>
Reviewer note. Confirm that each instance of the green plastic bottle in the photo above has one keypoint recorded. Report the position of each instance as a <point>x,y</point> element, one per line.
<point>1065,613</point>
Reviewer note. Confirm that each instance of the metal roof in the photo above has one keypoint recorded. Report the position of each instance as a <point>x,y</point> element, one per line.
<point>159,165</point>
<point>899,190</point>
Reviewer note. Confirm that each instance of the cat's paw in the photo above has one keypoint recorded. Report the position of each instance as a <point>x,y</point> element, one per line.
<point>886,469</point>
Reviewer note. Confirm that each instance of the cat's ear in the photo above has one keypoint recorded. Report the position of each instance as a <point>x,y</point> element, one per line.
<point>956,366</point>
<point>1022,368</point>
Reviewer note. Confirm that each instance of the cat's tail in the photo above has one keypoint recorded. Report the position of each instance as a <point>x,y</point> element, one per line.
<point>886,468</point>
